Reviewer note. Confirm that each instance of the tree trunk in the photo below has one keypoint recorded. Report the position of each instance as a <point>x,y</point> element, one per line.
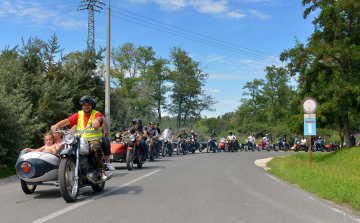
<point>340,130</point>
<point>347,129</point>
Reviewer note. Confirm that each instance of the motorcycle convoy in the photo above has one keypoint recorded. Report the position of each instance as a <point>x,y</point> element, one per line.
<point>74,167</point>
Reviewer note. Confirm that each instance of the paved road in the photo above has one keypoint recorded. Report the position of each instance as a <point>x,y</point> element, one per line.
<point>201,187</point>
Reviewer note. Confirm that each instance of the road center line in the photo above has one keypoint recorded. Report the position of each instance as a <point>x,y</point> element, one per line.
<point>72,207</point>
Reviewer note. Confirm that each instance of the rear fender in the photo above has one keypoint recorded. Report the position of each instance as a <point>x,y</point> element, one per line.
<point>130,148</point>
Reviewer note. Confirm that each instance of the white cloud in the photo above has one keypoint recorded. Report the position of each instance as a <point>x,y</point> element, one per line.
<point>208,6</point>
<point>214,57</point>
<point>235,15</point>
<point>258,14</point>
<point>215,91</point>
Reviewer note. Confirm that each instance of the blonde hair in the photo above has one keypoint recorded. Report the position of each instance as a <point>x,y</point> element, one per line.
<point>49,134</point>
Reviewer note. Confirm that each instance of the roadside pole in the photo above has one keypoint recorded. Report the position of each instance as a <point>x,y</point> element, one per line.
<point>309,106</point>
<point>107,77</point>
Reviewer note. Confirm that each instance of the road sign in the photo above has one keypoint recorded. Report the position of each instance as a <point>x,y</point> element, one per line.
<point>309,127</point>
<point>309,105</point>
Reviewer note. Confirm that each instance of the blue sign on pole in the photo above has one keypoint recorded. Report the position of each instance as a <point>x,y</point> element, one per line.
<point>309,127</point>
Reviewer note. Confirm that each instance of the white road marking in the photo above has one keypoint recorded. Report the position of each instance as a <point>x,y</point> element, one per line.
<point>325,205</point>
<point>72,207</point>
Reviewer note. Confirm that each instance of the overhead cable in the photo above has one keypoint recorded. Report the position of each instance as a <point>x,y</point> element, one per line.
<point>236,51</point>
<point>191,31</point>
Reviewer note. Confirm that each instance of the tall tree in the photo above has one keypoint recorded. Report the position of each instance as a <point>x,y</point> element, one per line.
<point>329,64</point>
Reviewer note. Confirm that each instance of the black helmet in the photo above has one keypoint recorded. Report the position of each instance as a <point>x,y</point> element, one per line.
<point>284,135</point>
<point>88,99</point>
<point>230,132</point>
<point>213,131</point>
<point>192,131</point>
<point>151,123</point>
<point>136,121</point>
<point>156,123</point>
<point>183,130</point>
<point>145,127</point>
<point>169,128</point>
<point>252,134</point>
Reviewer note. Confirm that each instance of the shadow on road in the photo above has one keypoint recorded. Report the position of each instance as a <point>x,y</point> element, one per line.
<point>130,190</point>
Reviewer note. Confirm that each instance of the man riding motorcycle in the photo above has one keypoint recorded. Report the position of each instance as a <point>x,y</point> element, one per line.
<point>232,139</point>
<point>86,117</point>
<point>214,136</point>
<point>266,140</point>
<point>153,134</point>
<point>251,139</point>
<point>283,139</point>
<point>194,136</point>
<point>321,142</point>
<point>157,127</point>
<point>139,130</point>
<point>183,136</point>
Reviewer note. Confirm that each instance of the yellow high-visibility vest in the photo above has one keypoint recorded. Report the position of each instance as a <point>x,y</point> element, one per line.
<point>90,134</point>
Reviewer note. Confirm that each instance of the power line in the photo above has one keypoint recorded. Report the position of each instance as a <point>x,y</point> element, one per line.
<point>236,51</point>
<point>192,32</point>
<point>27,11</point>
<point>254,54</point>
<point>41,6</point>
<point>36,14</point>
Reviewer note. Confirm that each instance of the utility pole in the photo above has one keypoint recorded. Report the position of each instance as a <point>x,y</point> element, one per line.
<point>107,82</point>
<point>90,5</point>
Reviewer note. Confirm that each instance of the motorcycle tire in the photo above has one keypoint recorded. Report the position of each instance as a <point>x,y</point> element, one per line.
<point>178,150</point>
<point>193,151</point>
<point>253,149</point>
<point>129,159</point>
<point>67,168</point>
<point>269,149</point>
<point>170,153</point>
<point>99,187</point>
<point>259,149</point>
<point>313,149</point>
<point>139,165</point>
<point>151,156</point>
<point>163,152</point>
<point>184,152</point>
<point>28,189</point>
<point>286,149</point>
<point>214,150</point>
<point>208,149</point>
<point>246,148</point>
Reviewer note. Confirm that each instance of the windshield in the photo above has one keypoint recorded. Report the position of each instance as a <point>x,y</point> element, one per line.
<point>167,133</point>
<point>222,139</point>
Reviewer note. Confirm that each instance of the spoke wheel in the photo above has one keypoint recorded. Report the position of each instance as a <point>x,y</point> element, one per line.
<point>69,187</point>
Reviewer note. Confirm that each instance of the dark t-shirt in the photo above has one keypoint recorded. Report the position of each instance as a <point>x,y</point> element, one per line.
<point>213,136</point>
<point>158,129</point>
<point>138,132</point>
<point>183,136</point>
<point>152,132</point>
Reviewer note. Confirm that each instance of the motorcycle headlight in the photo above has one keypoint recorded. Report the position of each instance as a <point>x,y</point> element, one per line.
<point>165,140</point>
<point>69,138</point>
<point>132,138</point>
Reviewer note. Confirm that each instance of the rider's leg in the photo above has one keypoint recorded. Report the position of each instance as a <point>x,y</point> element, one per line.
<point>97,152</point>
<point>268,144</point>
<point>144,147</point>
<point>107,152</point>
<point>283,144</point>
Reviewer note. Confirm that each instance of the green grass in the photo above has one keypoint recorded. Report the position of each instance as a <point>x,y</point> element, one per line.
<point>333,176</point>
<point>7,169</point>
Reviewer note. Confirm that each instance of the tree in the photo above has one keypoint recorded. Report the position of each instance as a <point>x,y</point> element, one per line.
<point>329,64</point>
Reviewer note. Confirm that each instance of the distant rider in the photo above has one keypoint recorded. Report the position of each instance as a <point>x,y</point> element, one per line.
<point>283,139</point>
<point>153,134</point>
<point>232,139</point>
<point>296,141</point>
<point>183,136</point>
<point>138,130</point>
<point>214,136</point>
<point>266,140</point>
<point>251,139</point>
<point>303,142</point>
<point>194,136</point>
<point>321,142</point>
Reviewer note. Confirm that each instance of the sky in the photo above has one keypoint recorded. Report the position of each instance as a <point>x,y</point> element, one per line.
<point>258,31</point>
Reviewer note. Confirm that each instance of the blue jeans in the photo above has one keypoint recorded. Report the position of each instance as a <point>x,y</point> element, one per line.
<point>268,144</point>
<point>145,146</point>
<point>321,145</point>
<point>284,144</point>
<point>217,147</point>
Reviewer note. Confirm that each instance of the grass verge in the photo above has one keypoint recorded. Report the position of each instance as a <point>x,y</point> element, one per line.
<point>333,176</point>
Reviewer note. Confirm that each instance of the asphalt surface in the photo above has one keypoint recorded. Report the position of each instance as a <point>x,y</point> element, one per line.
<point>201,187</point>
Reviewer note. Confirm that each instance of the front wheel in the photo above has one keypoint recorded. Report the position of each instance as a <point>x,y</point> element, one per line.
<point>259,148</point>
<point>178,150</point>
<point>99,187</point>
<point>129,159</point>
<point>163,152</point>
<point>208,149</point>
<point>28,189</point>
<point>69,188</point>
<point>286,148</point>
<point>246,148</point>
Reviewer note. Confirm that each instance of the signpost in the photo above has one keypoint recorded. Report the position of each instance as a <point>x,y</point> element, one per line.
<point>309,106</point>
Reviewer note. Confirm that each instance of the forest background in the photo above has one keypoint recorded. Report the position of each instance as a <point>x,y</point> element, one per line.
<point>39,86</point>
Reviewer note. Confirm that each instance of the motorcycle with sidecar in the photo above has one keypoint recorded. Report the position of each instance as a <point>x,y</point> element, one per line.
<point>74,168</point>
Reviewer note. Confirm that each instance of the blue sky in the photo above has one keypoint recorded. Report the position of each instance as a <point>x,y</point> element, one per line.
<point>266,26</point>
